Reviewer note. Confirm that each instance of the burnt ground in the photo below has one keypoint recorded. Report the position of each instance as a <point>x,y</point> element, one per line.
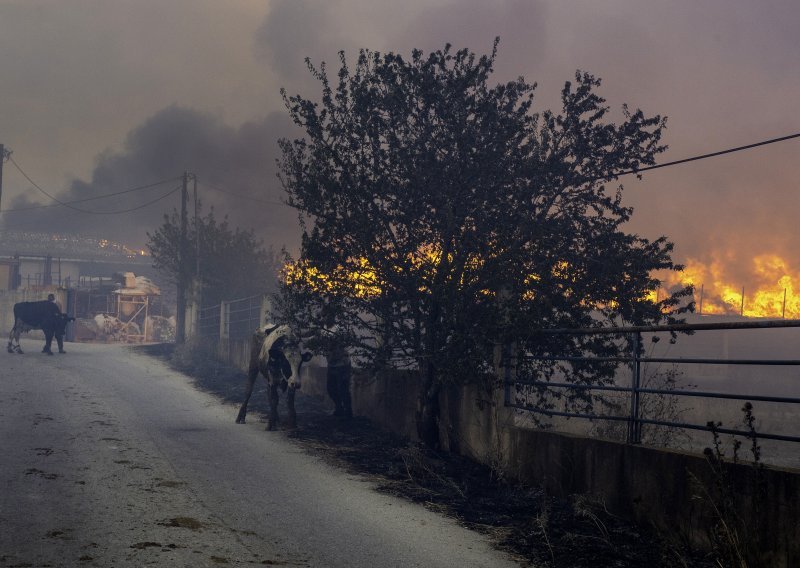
<point>536,528</point>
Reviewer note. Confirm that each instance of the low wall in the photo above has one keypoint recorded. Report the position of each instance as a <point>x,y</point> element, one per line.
<point>660,487</point>
<point>652,486</point>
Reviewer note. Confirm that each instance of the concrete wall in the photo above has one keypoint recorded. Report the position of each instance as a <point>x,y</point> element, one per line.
<point>652,486</point>
<point>5,276</point>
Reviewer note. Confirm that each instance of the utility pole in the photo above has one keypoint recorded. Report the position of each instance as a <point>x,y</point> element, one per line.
<point>180,319</point>
<point>3,155</point>
<point>196,235</point>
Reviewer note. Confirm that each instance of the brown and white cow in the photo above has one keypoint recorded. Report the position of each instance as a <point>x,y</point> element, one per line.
<point>275,352</point>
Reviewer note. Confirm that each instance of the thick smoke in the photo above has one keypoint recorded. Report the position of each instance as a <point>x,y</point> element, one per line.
<point>237,161</point>
<point>722,76</point>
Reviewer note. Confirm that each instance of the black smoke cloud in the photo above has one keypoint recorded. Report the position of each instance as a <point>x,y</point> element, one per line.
<point>235,166</point>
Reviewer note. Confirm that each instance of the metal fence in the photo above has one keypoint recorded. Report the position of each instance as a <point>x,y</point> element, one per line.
<point>234,319</point>
<point>208,321</point>
<point>514,378</point>
<point>243,316</point>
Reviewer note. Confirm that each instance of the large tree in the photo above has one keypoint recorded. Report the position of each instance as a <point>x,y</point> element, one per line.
<point>233,262</point>
<point>442,216</point>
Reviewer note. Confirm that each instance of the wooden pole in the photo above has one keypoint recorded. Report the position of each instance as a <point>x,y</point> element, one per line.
<point>701,298</point>
<point>180,317</point>
<point>742,310</point>
<point>784,304</point>
<point>2,159</point>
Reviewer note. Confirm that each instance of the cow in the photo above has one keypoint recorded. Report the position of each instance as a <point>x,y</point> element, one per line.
<point>275,353</point>
<point>44,315</point>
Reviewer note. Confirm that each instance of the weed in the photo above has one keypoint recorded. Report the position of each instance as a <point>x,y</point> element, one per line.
<point>735,507</point>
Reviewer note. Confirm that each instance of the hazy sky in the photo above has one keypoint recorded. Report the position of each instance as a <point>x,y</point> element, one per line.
<point>104,95</point>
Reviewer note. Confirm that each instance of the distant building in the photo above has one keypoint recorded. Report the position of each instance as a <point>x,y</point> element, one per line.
<point>44,271</point>
<point>9,273</point>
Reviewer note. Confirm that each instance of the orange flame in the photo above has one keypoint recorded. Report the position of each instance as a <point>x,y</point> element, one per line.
<point>767,292</point>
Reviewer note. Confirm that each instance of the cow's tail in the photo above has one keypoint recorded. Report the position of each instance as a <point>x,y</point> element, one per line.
<point>255,351</point>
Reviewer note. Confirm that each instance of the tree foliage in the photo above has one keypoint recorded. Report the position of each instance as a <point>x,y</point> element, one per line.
<point>443,216</point>
<point>233,262</point>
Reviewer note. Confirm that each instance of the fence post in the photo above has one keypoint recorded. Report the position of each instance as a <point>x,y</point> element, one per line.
<point>224,320</point>
<point>191,326</point>
<point>223,344</point>
<point>634,426</point>
<point>265,310</point>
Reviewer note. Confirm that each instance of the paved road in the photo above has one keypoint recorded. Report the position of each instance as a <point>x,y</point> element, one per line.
<point>111,459</point>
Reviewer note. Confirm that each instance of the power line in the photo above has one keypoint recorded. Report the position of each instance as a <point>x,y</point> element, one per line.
<point>104,196</point>
<point>239,195</point>
<point>118,212</point>
<point>701,157</point>
<point>68,204</point>
<point>157,199</point>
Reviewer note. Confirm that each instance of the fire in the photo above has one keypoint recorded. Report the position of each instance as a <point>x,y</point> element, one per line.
<point>768,292</point>
<point>360,283</point>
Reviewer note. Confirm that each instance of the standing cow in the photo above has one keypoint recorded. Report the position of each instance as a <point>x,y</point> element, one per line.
<point>275,353</point>
<point>44,315</point>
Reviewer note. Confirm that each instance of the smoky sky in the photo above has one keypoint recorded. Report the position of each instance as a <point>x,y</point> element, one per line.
<point>231,164</point>
<point>99,97</point>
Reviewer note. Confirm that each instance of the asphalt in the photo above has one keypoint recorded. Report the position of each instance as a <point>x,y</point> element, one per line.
<point>112,459</point>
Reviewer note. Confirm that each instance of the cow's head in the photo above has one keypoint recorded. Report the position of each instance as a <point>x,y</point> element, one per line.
<point>60,324</point>
<point>293,358</point>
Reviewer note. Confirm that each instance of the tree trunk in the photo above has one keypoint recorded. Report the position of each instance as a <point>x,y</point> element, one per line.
<point>427,415</point>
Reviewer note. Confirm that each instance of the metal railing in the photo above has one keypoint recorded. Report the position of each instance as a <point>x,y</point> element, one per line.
<point>208,321</point>
<point>635,360</point>
<point>243,316</point>
<point>232,319</point>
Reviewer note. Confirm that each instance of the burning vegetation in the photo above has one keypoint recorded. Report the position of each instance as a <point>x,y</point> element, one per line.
<point>767,290</point>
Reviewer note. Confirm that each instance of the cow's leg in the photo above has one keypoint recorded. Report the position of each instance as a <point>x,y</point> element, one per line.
<point>290,405</point>
<point>252,375</point>
<point>48,341</point>
<point>272,421</point>
<point>15,338</point>
<point>60,341</point>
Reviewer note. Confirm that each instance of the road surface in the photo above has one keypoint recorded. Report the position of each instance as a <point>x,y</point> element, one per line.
<point>112,459</point>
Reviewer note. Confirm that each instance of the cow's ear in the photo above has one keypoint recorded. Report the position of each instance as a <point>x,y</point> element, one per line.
<point>307,356</point>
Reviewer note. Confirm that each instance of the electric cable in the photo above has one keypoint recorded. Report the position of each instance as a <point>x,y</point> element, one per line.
<point>696,158</point>
<point>240,196</point>
<point>68,204</point>
<point>142,206</point>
